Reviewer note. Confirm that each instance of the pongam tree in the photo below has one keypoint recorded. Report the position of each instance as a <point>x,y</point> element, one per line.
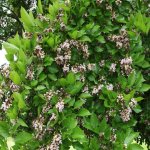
<point>76,77</point>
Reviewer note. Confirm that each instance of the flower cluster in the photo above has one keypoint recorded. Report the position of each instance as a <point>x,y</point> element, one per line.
<point>38,125</point>
<point>120,100</point>
<point>125,65</point>
<point>96,89</point>
<point>5,70</point>
<point>56,141</point>
<point>109,87</point>
<point>48,95</point>
<point>39,52</point>
<point>6,104</point>
<point>30,73</point>
<point>113,136</point>
<point>1,93</point>
<point>64,55</point>
<point>102,63</point>
<point>53,117</point>
<point>42,18</point>
<point>125,114</point>
<point>112,67</point>
<point>48,30</point>
<point>60,105</point>
<point>78,68</point>
<point>132,103</point>
<point>27,35</point>
<point>59,18</point>
<point>99,2</point>
<point>118,2</point>
<point>122,40</point>
<point>14,87</point>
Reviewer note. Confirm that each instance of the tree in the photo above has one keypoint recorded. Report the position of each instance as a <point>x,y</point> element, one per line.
<point>76,77</point>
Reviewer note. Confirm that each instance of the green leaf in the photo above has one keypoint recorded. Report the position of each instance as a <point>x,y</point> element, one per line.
<point>62,82</point>
<point>139,79</point>
<point>26,18</point>
<point>135,147</point>
<point>9,57</point>
<point>23,137</point>
<point>21,66</point>
<point>78,104</point>
<point>40,7</point>
<point>14,76</point>
<point>129,139</point>
<point>83,112</point>
<point>74,34</point>
<point>128,97</point>
<point>42,77</point>
<point>18,98</point>
<point>40,87</point>
<point>85,95</point>
<point>145,87</point>
<point>85,39</point>
<point>12,112</point>
<point>53,77</point>
<point>131,79</point>
<point>94,121</point>
<point>76,88</point>
<point>70,123</point>
<point>48,61</point>
<point>78,134</point>
<point>10,48</point>
<point>22,56</point>
<point>137,109</point>
<point>22,123</point>
<point>4,129</point>
<point>51,42</point>
<point>139,99</point>
<point>101,39</point>
<point>103,125</point>
<point>34,83</point>
<point>71,78</point>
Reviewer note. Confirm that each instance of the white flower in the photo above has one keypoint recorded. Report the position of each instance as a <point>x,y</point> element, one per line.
<point>91,66</point>
<point>112,67</point>
<point>95,90</point>
<point>30,73</point>
<point>39,52</point>
<point>133,103</point>
<point>60,106</point>
<point>14,87</point>
<point>6,104</point>
<point>5,70</point>
<point>102,63</point>
<point>125,114</point>
<point>1,93</point>
<point>38,124</point>
<point>65,45</point>
<point>126,61</point>
<point>53,117</point>
<point>48,95</point>
<point>57,140</point>
<point>110,87</point>
<point>66,68</point>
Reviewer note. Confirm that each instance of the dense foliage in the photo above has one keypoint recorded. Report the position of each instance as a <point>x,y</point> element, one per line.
<point>77,78</point>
